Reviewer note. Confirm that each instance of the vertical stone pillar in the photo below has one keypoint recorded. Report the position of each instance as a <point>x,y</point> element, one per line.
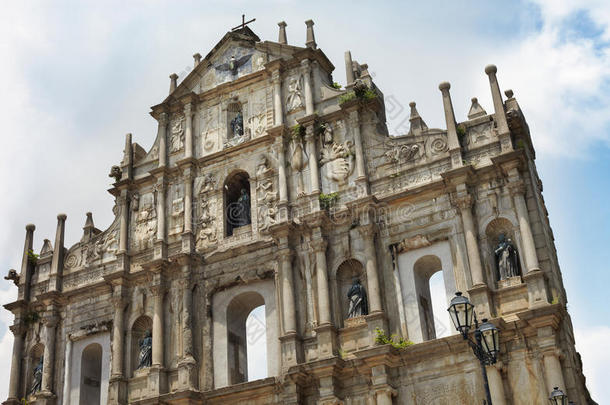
<point>500,114</point>
<point>464,204</point>
<point>26,266</point>
<point>319,247</point>
<point>13,387</point>
<point>127,164</point>
<point>453,142</point>
<point>354,122</point>
<point>160,188</point>
<point>281,168</point>
<point>187,373</point>
<point>173,82</point>
<point>57,262</point>
<point>188,132</point>
<point>162,135</point>
<point>124,225</point>
<point>310,42</point>
<point>384,396</point>
<point>517,190</point>
<point>285,259</point>
<point>313,160</point>
<point>496,386</point>
<point>50,323</point>
<point>374,295</point>
<point>349,69</point>
<point>188,202</point>
<point>306,71</point>
<point>118,334</point>
<point>277,98</point>
<point>553,373</point>
<point>158,292</point>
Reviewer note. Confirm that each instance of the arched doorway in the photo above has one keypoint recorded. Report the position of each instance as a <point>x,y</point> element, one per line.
<point>91,375</point>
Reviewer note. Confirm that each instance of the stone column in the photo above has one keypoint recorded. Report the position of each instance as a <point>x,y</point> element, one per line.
<point>496,386</point>
<point>553,373</point>
<point>187,373</point>
<point>349,69</point>
<point>384,396</point>
<point>500,113</point>
<point>319,247</point>
<point>470,234</point>
<point>50,323</point>
<point>306,71</point>
<point>13,387</point>
<point>281,168</point>
<point>368,236</point>
<point>57,262</point>
<point>124,226</point>
<point>517,189</point>
<point>282,39</point>
<point>285,259</point>
<point>118,334</point>
<point>277,97</point>
<point>162,134</point>
<point>157,332</point>
<point>188,131</point>
<point>453,142</point>
<point>26,266</point>
<point>313,160</point>
<point>188,202</point>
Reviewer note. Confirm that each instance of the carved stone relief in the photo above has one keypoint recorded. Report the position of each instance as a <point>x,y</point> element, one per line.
<point>267,204</point>
<point>298,161</point>
<point>177,136</point>
<point>336,159</point>
<point>209,129</point>
<point>207,228</point>
<point>146,222</point>
<point>294,98</point>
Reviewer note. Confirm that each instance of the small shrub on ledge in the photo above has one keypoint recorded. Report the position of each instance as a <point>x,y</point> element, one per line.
<point>382,339</point>
<point>328,200</point>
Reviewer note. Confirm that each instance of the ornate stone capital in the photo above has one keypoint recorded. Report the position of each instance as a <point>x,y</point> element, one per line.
<point>285,254</point>
<point>318,245</point>
<point>18,329</point>
<point>188,109</point>
<point>352,118</point>
<point>157,290</point>
<point>464,202</point>
<point>50,321</point>
<point>275,77</point>
<point>309,133</point>
<point>367,231</point>
<point>516,188</point>
<point>305,66</point>
<point>163,118</point>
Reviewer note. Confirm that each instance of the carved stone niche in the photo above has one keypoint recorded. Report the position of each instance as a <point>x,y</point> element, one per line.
<point>493,231</point>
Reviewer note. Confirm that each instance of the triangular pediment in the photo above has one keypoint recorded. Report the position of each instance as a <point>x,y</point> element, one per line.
<point>237,54</point>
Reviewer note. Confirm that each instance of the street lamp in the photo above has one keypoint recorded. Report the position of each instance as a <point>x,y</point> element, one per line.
<point>486,337</point>
<point>558,397</point>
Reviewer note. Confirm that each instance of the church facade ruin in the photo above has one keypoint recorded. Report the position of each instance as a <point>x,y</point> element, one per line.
<point>270,186</point>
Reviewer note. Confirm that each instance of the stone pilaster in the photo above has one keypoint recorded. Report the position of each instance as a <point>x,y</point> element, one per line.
<point>188,238</point>
<point>381,387</point>
<point>117,391</point>
<point>306,72</point>
<point>160,248</point>
<point>46,393</point>
<point>157,379</point>
<point>372,274</point>
<point>122,202</point>
<point>553,372</point>
<point>187,366</point>
<point>188,131</point>
<point>313,159</point>
<point>277,98</point>
<point>354,122</point>
<point>496,385</point>
<point>14,381</point>
<point>325,331</point>
<point>289,336</point>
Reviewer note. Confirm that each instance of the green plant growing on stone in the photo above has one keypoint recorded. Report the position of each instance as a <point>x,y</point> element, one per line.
<point>32,257</point>
<point>397,342</point>
<point>328,200</point>
<point>349,96</point>
<point>297,131</point>
<point>31,317</point>
<point>461,133</point>
<point>336,85</point>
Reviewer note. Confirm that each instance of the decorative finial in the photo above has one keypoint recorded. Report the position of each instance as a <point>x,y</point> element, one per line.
<point>310,42</point>
<point>196,59</point>
<point>173,82</point>
<point>476,110</point>
<point>509,93</point>
<point>282,39</point>
<point>243,23</point>
<point>491,69</point>
<point>417,123</point>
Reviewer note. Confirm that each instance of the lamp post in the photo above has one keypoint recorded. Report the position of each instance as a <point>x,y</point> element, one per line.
<point>485,345</point>
<point>558,397</point>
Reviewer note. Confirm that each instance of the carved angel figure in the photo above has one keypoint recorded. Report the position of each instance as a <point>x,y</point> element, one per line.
<point>295,98</point>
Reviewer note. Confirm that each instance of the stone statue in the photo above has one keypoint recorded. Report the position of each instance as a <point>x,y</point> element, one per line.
<point>295,99</point>
<point>506,258</point>
<point>243,213</point>
<point>237,125</point>
<point>116,173</point>
<point>37,377</point>
<point>145,356</point>
<point>358,304</point>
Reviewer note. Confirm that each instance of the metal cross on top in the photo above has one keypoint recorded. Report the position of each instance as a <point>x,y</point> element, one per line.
<point>243,23</point>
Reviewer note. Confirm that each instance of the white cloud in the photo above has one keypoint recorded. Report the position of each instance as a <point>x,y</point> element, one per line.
<point>592,343</point>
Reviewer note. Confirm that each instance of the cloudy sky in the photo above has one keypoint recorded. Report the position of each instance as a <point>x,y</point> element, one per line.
<point>76,76</point>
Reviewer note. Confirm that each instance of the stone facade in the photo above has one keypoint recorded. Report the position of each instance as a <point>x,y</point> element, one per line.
<point>268,185</point>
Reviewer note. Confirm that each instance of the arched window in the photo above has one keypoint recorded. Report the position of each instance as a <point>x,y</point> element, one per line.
<point>256,344</point>
<point>91,375</point>
<point>141,330</point>
<point>237,202</point>
<point>348,272</point>
<point>431,295</point>
<point>240,335</point>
